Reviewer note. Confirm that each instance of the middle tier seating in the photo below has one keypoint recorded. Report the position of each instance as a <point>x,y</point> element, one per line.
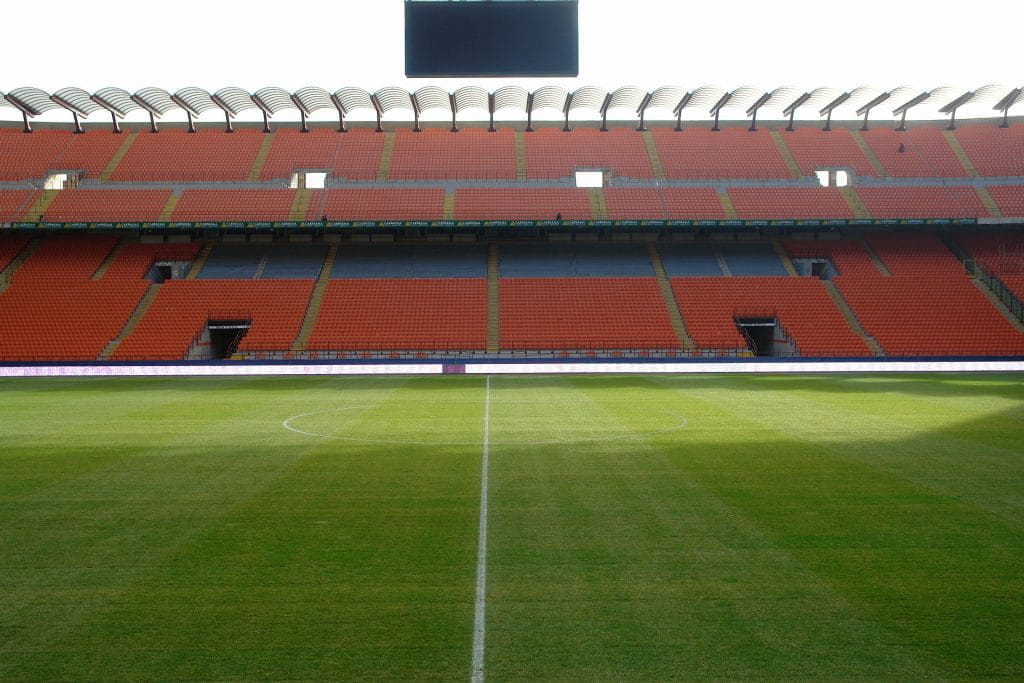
<point>768,203</point>
<point>922,202</point>
<point>377,204</point>
<point>71,206</point>
<point>14,204</point>
<point>521,203</point>
<point>686,203</point>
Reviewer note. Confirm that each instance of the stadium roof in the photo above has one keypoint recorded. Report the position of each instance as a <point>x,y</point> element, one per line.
<point>705,100</point>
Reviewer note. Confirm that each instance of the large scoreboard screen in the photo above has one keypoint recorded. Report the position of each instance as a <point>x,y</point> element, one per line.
<point>491,38</point>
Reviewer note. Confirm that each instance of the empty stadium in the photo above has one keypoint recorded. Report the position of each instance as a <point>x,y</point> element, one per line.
<point>512,382</point>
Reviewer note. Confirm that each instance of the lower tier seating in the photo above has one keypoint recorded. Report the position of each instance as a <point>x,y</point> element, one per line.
<point>574,260</point>
<point>402,314</point>
<point>275,309</point>
<point>393,261</point>
<point>133,261</point>
<point>584,313</point>
<point>10,247</point>
<point>802,307</point>
<point>67,258</point>
<point>73,321</point>
<point>847,256</point>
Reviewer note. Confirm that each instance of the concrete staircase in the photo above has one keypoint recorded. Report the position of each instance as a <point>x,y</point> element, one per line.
<point>986,198</point>
<point>111,166</point>
<point>261,157</point>
<point>133,320</point>
<point>598,207</point>
<point>853,200</point>
<point>851,319</point>
<point>787,263</point>
<point>40,205</point>
<point>873,255</point>
<point>520,148</point>
<point>493,300</point>
<point>315,300</point>
<point>170,206</point>
<point>110,258</point>
<point>652,154</point>
<point>723,264</point>
<point>17,262</point>
<point>787,156</point>
<point>260,268</point>
<point>200,261</point>
<point>996,302</point>
<point>869,153</point>
<point>961,155</point>
<point>448,212</point>
<point>384,167</point>
<point>727,206</point>
<point>669,299</point>
<point>300,205</point>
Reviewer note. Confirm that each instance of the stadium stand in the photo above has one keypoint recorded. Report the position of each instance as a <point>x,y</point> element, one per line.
<point>437,314</point>
<point>1009,199</point>
<point>728,153</point>
<point>457,261</point>
<point>813,148</point>
<point>926,152</point>
<point>66,258</point>
<point>10,247</point>
<point>176,155</point>
<point>133,261</point>
<point>354,155</point>
<point>789,203</point>
<point>847,256</point>
<point>437,154</point>
<point>638,203</point>
<point>552,153</point>
<point>584,314</point>
<point>922,202</point>
<point>690,260</point>
<point>294,262</point>
<point>994,151</point>
<point>30,156</point>
<point>752,260</point>
<point>378,204</point>
<point>1001,253</point>
<point>175,320</point>
<point>14,204</point>
<point>576,260</point>
<point>234,205</point>
<point>542,203</point>
<point>107,205</point>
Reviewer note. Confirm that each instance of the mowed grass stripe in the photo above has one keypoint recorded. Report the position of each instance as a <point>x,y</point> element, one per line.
<point>607,560</point>
<point>244,550</point>
<point>902,533</point>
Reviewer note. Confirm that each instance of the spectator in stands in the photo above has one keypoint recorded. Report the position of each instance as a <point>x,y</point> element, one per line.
<point>558,217</point>
<point>902,148</point>
<point>42,218</point>
<point>324,218</point>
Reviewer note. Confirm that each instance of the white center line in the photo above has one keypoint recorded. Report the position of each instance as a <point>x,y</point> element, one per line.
<point>481,553</point>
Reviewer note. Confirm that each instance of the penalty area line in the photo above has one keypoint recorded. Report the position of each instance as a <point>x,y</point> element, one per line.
<point>477,673</point>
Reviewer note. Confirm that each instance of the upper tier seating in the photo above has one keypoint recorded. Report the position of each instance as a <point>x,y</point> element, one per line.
<point>684,203</point>
<point>436,154</point>
<point>402,314</point>
<point>354,155</point>
<point>1009,199</point>
<point>789,203</point>
<point>729,153</point>
<point>181,309</point>
<point>234,205</point>
<point>802,307</point>
<point>813,148</point>
<point>542,203</point>
<point>584,313</point>
<point>574,260</point>
<point>376,204</point>
<point>174,154</point>
<point>922,202</point>
<point>926,153</point>
<point>14,204</point>
<point>387,261</point>
<point>10,247</point>
<point>33,155</point>
<point>71,206</point>
<point>994,151</point>
<point>552,153</point>
<point>133,261</point>
<point>690,260</point>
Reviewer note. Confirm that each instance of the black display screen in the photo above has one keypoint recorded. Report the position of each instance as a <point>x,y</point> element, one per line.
<point>492,38</point>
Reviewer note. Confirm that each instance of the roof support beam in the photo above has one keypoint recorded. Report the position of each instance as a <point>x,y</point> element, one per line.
<point>455,122</point>
<point>228,128</point>
<point>380,113</point>
<point>790,111</point>
<point>753,109</point>
<point>604,112</point>
<point>953,106</point>
<point>865,111</point>
<point>25,110</point>
<point>565,110</point>
<point>642,110</point>
<point>904,108</point>
<point>529,113</point>
<point>717,107</point>
<point>679,111</point>
<point>830,107</point>
<point>490,113</point>
<point>1004,105</point>
<point>341,114</point>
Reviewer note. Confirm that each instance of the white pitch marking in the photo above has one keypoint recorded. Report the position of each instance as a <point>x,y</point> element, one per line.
<point>477,675</point>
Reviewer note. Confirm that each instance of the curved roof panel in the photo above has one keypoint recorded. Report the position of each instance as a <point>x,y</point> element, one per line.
<point>312,98</point>
<point>76,100</point>
<point>272,100</point>
<point>511,97</point>
<point>155,100</point>
<point>432,97</point>
<point>392,97</point>
<point>194,100</point>
<point>351,99</point>
<point>32,101</point>
<point>471,97</point>
<point>233,100</point>
<point>550,97</point>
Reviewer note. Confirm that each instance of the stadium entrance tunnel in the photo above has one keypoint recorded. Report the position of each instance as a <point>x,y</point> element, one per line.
<point>765,337</point>
<point>161,271</point>
<point>219,339</point>
<point>820,268</point>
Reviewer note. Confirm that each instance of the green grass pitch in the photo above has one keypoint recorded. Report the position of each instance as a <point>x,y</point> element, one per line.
<point>638,527</point>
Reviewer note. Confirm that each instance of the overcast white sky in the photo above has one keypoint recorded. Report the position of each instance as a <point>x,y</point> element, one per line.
<point>803,43</point>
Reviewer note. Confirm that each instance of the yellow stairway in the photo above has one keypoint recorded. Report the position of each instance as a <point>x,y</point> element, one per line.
<point>520,147</point>
<point>384,168</point>
<point>853,200</point>
<point>111,166</point>
<point>986,198</point>
<point>787,156</point>
<point>869,153</point>
<point>961,155</point>
<point>300,205</point>
<point>261,157</point>
<point>40,205</point>
<point>851,319</point>
<point>669,299</point>
<point>110,258</point>
<point>652,154</point>
<point>598,207</point>
<point>133,320</point>
<point>787,264</point>
<point>316,300</point>
<point>170,206</point>
<point>200,261</point>
<point>448,213</point>
<point>726,201</point>
<point>493,300</point>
